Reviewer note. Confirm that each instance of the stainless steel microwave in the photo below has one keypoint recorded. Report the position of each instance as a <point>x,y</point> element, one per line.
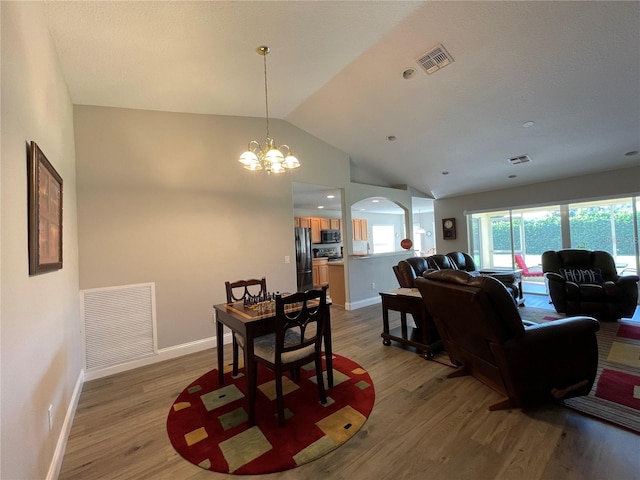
<point>330,236</point>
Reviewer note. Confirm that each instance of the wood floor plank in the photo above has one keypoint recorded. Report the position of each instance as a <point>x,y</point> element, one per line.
<point>423,425</point>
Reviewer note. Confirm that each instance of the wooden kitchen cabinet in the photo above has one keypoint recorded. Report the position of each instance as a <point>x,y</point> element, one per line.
<point>320,271</point>
<point>315,230</point>
<point>317,224</point>
<point>360,229</point>
<point>304,222</point>
<point>336,283</point>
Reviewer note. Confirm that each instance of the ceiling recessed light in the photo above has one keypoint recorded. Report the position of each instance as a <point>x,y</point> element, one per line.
<point>631,153</point>
<point>528,124</point>
<point>331,196</point>
<point>320,206</point>
<point>375,201</point>
<point>392,138</point>
<point>408,73</point>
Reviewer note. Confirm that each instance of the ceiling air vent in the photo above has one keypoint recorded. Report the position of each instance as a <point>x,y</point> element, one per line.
<point>519,159</point>
<point>434,59</point>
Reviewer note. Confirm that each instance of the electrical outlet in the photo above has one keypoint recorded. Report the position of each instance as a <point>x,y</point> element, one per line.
<point>287,259</point>
<point>50,412</point>
<point>373,285</point>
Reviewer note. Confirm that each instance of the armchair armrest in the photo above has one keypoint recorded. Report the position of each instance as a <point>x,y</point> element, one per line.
<point>627,279</point>
<point>564,330</point>
<point>554,277</point>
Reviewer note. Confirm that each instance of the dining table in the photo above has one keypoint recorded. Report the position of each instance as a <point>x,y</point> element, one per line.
<point>251,321</point>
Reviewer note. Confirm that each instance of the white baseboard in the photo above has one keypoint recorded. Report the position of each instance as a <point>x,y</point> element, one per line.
<point>362,303</point>
<point>61,445</point>
<point>160,356</point>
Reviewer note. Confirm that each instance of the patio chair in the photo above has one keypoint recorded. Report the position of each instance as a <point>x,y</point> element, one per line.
<point>526,271</point>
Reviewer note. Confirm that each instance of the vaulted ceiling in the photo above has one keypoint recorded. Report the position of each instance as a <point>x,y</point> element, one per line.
<point>570,69</point>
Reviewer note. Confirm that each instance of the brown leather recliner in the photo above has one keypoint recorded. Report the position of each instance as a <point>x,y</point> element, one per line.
<point>587,282</point>
<point>483,333</point>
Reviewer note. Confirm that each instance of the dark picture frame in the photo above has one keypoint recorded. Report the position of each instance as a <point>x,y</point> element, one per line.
<point>449,228</point>
<point>45,213</point>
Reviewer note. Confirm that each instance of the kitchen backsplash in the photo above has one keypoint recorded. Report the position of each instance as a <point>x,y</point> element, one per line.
<point>322,250</point>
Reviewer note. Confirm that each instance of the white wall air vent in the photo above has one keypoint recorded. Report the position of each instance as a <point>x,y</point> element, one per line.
<point>519,159</point>
<point>119,324</point>
<point>434,59</point>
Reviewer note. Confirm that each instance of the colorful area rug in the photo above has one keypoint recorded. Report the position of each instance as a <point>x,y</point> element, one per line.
<point>615,396</point>
<point>539,315</point>
<point>207,424</point>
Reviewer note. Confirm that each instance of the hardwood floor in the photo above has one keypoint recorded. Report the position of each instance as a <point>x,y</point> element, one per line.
<point>422,425</point>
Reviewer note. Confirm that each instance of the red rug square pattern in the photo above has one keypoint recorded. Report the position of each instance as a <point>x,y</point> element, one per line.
<point>629,331</point>
<point>619,387</point>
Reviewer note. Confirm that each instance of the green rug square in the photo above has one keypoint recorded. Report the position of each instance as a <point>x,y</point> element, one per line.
<point>233,418</point>
<point>244,447</point>
<point>220,397</point>
<point>338,378</point>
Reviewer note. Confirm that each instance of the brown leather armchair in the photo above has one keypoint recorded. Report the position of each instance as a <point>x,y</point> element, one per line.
<point>483,334</point>
<point>587,282</point>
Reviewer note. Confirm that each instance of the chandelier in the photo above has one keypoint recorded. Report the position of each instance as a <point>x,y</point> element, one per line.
<point>270,158</point>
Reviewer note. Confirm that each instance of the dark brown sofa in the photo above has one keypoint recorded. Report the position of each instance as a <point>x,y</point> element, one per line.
<point>587,282</point>
<point>408,270</point>
<point>413,267</point>
<point>483,333</point>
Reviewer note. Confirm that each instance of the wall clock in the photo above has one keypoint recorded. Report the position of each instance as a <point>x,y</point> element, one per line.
<point>449,228</point>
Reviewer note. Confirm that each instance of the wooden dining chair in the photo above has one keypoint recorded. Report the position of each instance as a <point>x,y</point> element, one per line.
<point>238,291</point>
<point>300,322</point>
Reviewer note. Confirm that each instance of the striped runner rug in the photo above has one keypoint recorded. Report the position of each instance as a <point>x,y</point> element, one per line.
<point>615,396</point>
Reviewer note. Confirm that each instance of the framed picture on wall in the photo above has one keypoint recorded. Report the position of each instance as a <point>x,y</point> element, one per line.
<point>45,213</point>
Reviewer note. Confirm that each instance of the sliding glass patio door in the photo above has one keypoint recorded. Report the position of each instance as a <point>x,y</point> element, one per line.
<point>613,225</point>
<point>605,225</point>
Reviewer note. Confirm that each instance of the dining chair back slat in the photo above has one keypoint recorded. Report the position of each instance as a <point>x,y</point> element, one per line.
<point>239,290</point>
<point>236,292</point>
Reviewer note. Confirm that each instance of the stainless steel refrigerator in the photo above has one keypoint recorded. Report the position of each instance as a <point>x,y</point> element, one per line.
<point>303,259</point>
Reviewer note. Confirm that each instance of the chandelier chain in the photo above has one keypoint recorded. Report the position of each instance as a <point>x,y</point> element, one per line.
<point>266,94</point>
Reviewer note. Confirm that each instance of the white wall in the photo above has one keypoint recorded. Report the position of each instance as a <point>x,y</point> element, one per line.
<point>39,316</point>
<point>162,198</point>
<point>376,270</point>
